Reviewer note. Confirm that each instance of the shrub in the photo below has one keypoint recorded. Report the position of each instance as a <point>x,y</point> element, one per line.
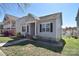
<point>75,37</point>
<point>6,33</point>
<point>34,37</point>
<point>18,34</point>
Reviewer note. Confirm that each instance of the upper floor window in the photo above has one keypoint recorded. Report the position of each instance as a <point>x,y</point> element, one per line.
<point>13,24</point>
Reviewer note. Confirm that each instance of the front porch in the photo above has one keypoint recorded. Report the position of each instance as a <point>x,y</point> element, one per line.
<point>29,28</point>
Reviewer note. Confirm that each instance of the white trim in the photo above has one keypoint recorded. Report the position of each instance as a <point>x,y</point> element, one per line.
<point>45,26</point>
<point>29,29</point>
<point>27,24</point>
<point>45,22</point>
<point>35,29</point>
<point>30,22</point>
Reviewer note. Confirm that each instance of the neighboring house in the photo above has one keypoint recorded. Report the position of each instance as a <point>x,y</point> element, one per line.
<point>69,31</point>
<point>77,20</point>
<point>9,24</point>
<point>45,26</point>
<point>1,28</point>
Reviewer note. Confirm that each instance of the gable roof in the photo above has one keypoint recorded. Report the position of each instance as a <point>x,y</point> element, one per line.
<point>10,16</point>
<point>54,14</point>
<point>30,15</point>
<point>34,17</point>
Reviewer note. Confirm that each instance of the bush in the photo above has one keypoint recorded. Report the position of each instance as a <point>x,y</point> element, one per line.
<point>75,37</point>
<point>18,34</point>
<point>34,37</point>
<point>6,33</point>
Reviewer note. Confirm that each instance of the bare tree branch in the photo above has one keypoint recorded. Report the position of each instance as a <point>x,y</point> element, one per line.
<point>21,6</point>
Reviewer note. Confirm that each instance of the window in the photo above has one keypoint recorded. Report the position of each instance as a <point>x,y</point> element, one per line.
<point>46,27</point>
<point>43,27</point>
<point>13,24</point>
<point>23,28</point>
<point>27,28</point>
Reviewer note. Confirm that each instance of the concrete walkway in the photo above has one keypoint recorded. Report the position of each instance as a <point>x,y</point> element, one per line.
<point>1,44</point>
<point>12,43</point>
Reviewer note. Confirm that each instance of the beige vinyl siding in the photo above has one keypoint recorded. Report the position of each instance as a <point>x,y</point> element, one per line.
<point>58,27</point>
<point>47,34</point>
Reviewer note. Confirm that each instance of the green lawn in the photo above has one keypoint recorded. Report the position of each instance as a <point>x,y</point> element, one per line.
<point>71,47</point>
<point>27,50</point>
<point>5,39</point>
<point>24,49</point>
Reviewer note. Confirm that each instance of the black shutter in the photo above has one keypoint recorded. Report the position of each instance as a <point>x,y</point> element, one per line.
<point>51,27</point>
<point>40,28</point>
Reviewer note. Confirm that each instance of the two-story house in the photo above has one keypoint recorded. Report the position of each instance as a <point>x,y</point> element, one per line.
<point>9,24</point>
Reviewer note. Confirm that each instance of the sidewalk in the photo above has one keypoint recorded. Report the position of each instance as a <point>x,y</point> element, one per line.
<point>12,43</point>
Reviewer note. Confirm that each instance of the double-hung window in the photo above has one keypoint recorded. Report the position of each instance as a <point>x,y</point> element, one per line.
<point>46,27</point>
<point>23,28</point>
<point>43,27</point>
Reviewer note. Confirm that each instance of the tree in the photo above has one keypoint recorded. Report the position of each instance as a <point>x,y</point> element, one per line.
<point>4,7</point>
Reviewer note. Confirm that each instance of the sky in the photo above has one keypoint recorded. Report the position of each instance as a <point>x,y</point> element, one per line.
<point>69,11</point>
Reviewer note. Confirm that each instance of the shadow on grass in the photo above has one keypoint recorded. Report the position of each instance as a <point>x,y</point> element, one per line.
<point>50,46</point>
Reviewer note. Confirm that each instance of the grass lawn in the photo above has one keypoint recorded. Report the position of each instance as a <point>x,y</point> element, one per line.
<point>5,39</point>
<point>71,47</point>
<point>24,49</point>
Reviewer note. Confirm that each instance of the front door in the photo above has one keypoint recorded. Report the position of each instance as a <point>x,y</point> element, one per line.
<point>32,29</point>
<point>28,29</point>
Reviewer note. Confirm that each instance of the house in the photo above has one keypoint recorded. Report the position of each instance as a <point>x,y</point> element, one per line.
<point>77,21</point>
<point>9,24</point>
<point>44,26</point>
<point>1,28</point>
<point>69,31</point>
